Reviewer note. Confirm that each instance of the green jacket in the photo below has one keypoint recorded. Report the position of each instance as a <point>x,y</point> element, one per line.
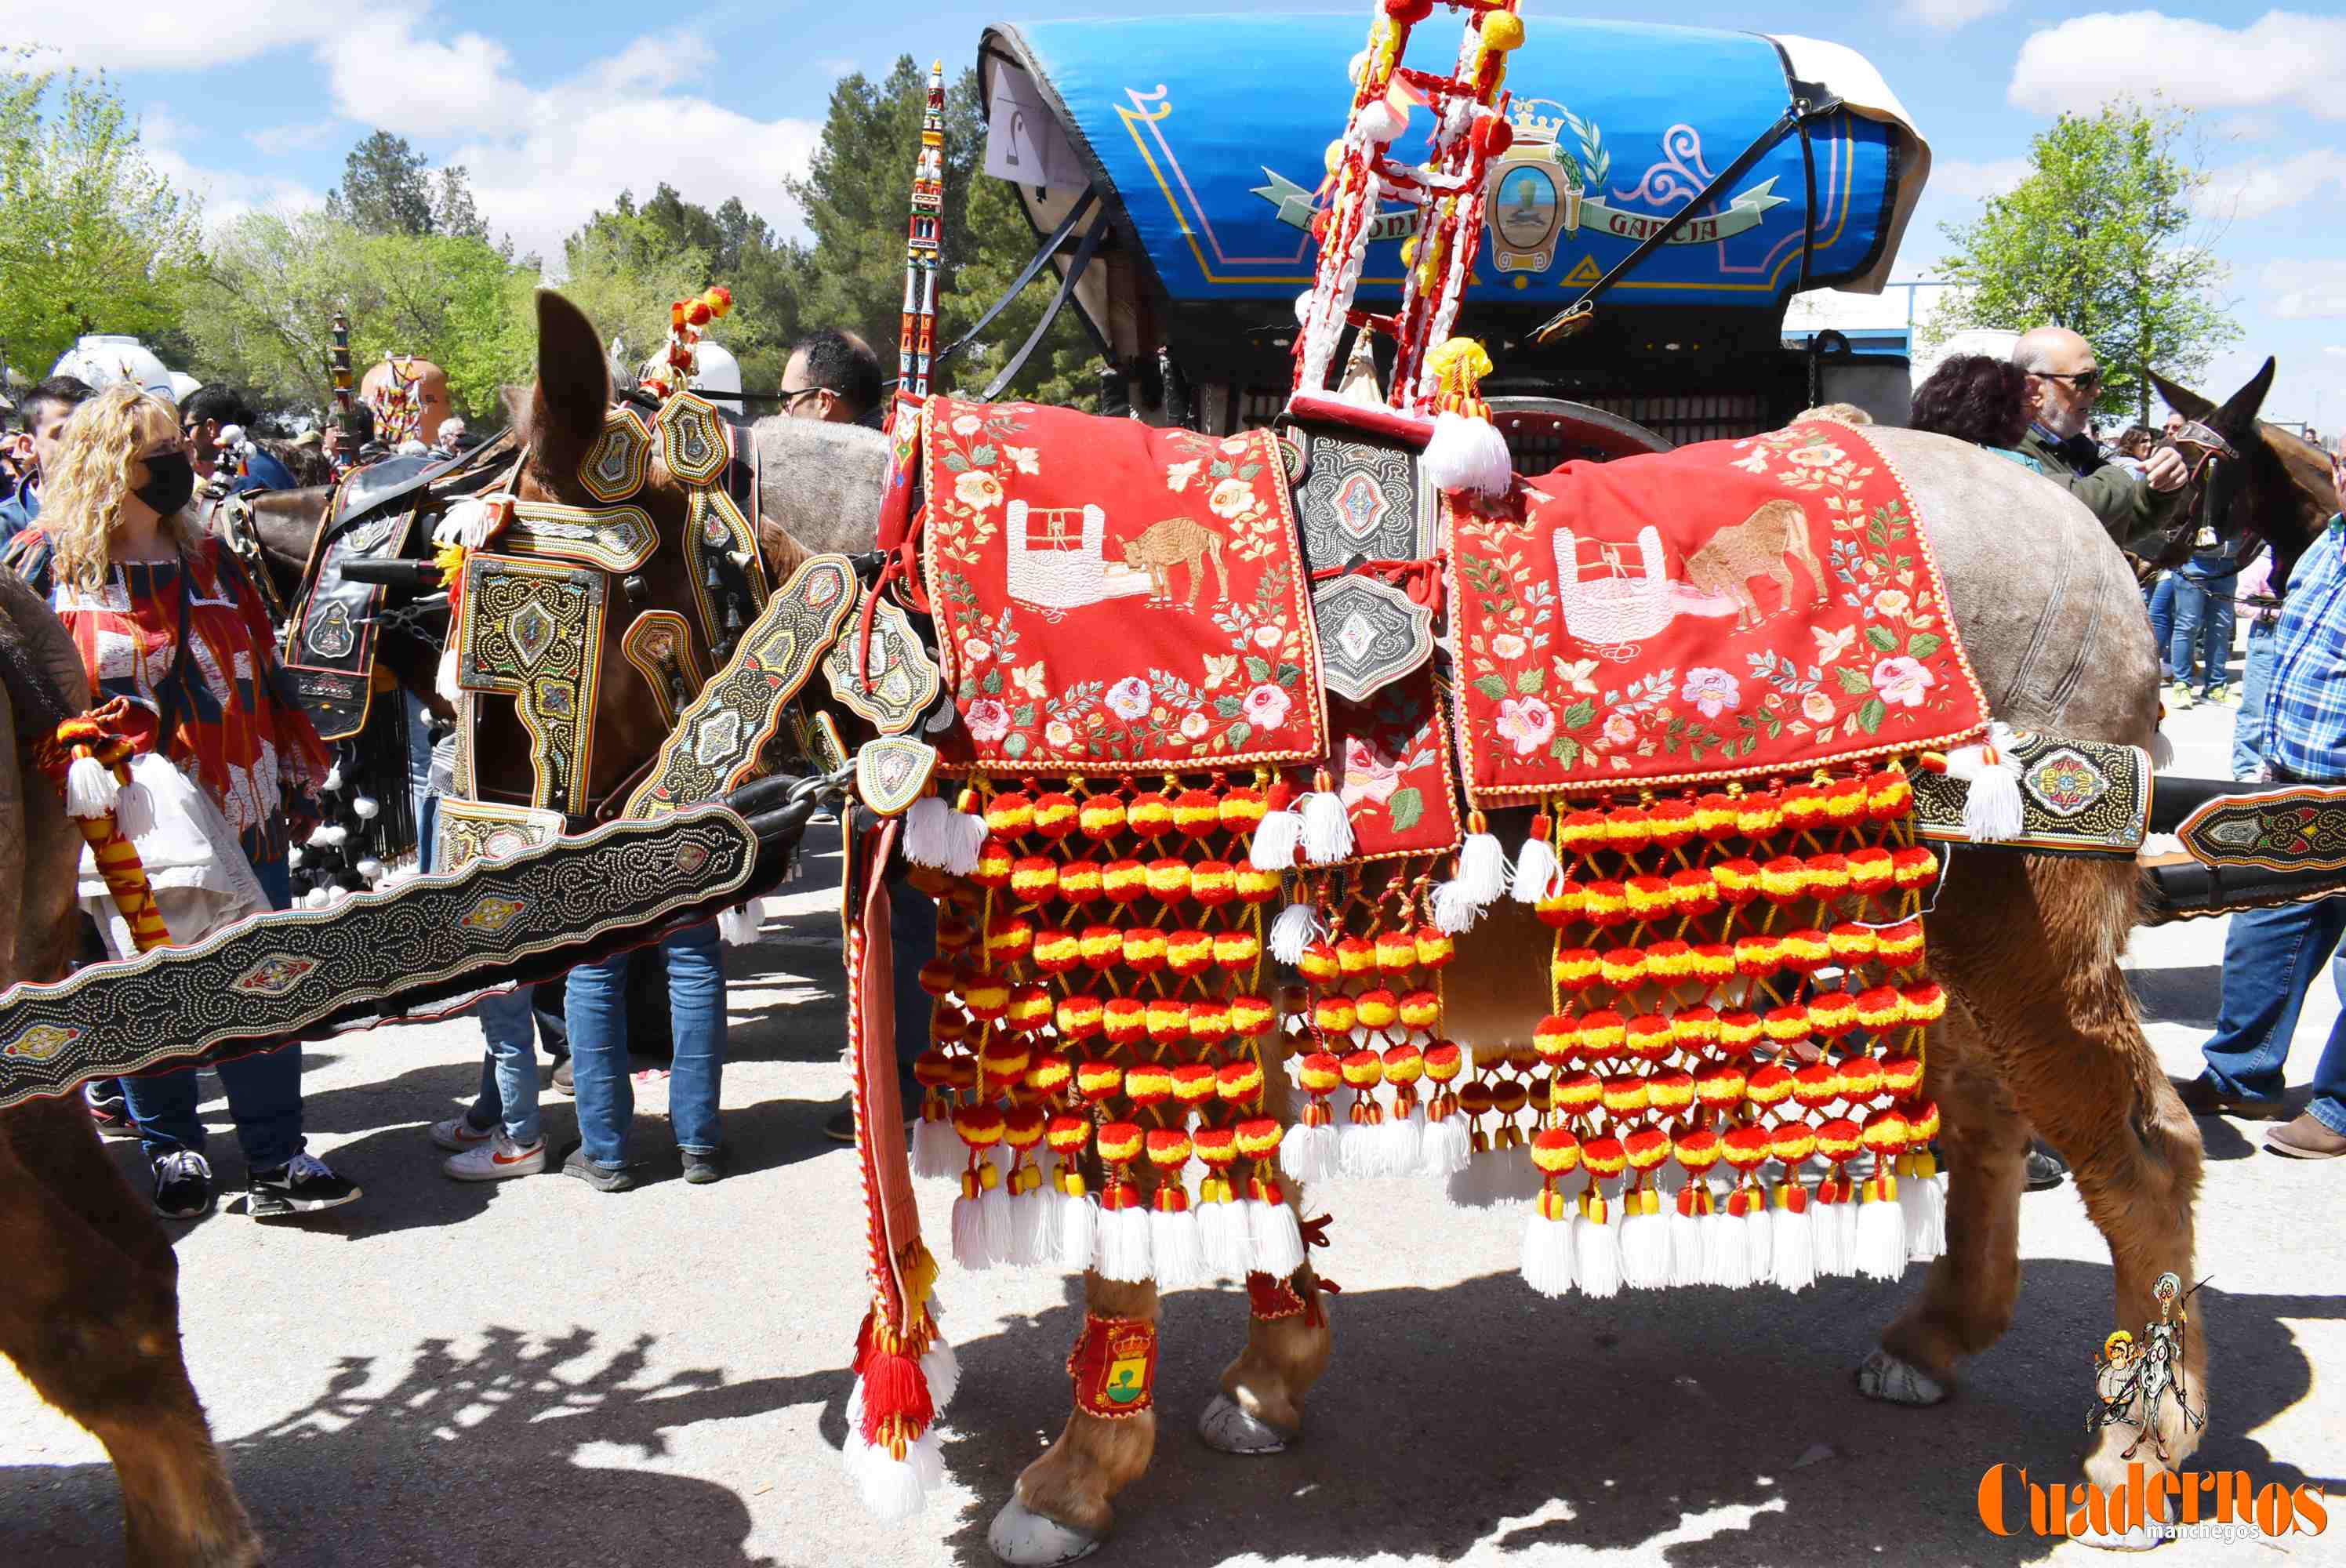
<point>2133,514</point>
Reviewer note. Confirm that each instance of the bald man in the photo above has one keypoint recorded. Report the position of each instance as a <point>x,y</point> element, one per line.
<point>2064,380</point>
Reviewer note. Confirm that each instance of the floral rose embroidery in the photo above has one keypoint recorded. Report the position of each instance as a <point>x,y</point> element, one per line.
<point>1267,637</point>
<point>989,721</point>
<point>1508,646</point>
<point>977,488</point>
<point>1059,734</point>
<point>1230,498</point>
<point>1891,602</point>
<point>1024,459</point>
<point>1817,708</point>
<point>1527,723</point>
<point>967,424</point>
<point>1128,699</point>
<point>1620,729</point>
<point>1815,456</point>
<point>1902,681</point>
<point>1367,776</point>
<point>1266,706</point>
<point>1712,691</point>
<point>977,650</point>
<point>1194,727</point>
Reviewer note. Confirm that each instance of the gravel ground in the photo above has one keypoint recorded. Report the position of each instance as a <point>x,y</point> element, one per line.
<point>535,1372</point>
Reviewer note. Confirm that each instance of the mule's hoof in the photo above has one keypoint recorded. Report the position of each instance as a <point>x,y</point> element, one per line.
<point>1224,1426</point>
<point>1025,1539</point>
<point>1886,1378</point>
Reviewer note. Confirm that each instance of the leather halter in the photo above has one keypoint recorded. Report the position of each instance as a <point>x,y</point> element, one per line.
<point>2207,442</point>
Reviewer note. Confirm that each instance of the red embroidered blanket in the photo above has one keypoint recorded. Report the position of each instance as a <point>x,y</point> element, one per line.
<point>1114,599</point>
<point>1730,609</point>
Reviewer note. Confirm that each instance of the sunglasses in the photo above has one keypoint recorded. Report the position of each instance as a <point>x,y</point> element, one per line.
<point>791,398</point>
<point>2087,380</point>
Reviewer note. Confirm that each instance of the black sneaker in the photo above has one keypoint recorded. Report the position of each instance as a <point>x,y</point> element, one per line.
<point>303,1184</point>
<point>700,1169</point>
<point>602,1178</point>
<point>2046,1169</point>
<point>183,1186</point>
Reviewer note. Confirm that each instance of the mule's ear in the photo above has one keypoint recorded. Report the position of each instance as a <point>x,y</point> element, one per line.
<point>2240,410</point>
<point>2182,400</point>
<point>574,385</point>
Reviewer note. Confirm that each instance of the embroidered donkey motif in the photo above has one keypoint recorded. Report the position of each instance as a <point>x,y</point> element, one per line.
<point>1181,541</point>
<point>1758,547</point>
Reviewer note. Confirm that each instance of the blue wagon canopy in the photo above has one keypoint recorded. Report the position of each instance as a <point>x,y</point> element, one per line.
<point>1205,136</point>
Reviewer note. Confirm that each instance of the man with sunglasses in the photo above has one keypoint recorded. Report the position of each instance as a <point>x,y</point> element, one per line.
<point>833,376</point>
<point>2063,383</point>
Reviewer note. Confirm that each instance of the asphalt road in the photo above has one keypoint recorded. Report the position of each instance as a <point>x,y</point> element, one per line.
<point>536,1373</point>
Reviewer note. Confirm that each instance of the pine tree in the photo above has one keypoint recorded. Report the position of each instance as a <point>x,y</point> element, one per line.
<point>386,188</point>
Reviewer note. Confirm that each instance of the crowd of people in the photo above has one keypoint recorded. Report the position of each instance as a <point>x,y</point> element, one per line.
<point>2035,408</point>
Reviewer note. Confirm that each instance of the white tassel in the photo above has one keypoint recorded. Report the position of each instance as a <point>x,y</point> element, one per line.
<point>134,810</point>
<point>333,779</point>
<point>329,836</point>
<point>1467,455</point>
<point>1124,1245</point>
<point>1404,1143</point>
<point>969,1234</point>
<point>1222,1236</point>
<point>1548,1246</point>
<point>1293,932</point>
<point>1453,911</point>
<point>1536,870</point>
<point>293,858</point>
<point>1359,1151</point>
<point>370,869</point>
<point>1177,1253</point>
<point>1078,1231</point>
<point>1991,805</point>
<point>1924,1199</point>
<point>443,682</point>
<point>1444,1148</point>
<point>1689,1247</point>
<point>941,1369</point>
<point>1308,1154</point>
<point>1789,1237</point>
<point>2162,752</point>
<point>316,898</point>
<point>1824,1240</point>
<point>1758,1249</point>
<point>1597,1254</point>
<point>938,836</point>
<point>936,1149</point>
<point>1379,122</point>
<point>365,807</point>
<point>1034,1230</point>
<point>1327,828</point>
<point>1483,868</point>
<point>1277,1238</point>
<point>1645,1250</point>
<point>1276,836</point>
<point>893,1489</point>
<point>1880,1239</point>
<point>1726,1261</point>
<point>90,789</point>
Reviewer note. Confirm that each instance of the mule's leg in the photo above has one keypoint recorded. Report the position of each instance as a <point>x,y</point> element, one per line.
<point>1061,1510</point>
<point>1261,1408</point>
<point>1967,1299</point>
<point>91,1319</point>
<point>2033,948</point>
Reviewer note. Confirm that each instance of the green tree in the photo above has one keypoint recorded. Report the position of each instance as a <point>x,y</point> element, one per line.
<point>453,211</point>
<point>2100,238</point>
<point>93,238</point>
<point>386,188</point>
<point>739,250</point>
<point>854,198</point>
<point>624,271</point>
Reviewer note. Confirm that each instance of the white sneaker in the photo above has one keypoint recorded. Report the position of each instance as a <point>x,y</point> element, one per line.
<point>457,1135</point>
<point>497,1160</point>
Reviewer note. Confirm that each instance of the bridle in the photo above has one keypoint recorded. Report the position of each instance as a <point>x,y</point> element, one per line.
<point>2205,451</point>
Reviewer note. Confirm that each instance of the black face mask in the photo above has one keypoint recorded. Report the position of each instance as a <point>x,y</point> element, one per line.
<point>170,480</point>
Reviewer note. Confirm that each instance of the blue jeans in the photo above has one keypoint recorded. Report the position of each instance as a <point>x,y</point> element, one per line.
<point>2270,959</point>
<point>2162,620</point>
<point>264,1090</point>
<point>2248,722</point>
<point>2203,627</point>
<point>913,936</point>
<point>509,1067</point>
<point>596,1009</point>
<point>419,774</point>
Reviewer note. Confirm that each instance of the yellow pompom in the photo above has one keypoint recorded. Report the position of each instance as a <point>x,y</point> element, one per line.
<point>1460,363</point>
<point>1502,31</point>
<point>1335,156</point>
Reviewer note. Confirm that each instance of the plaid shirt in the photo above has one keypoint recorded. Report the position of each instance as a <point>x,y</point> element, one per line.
<point>2305,705</point>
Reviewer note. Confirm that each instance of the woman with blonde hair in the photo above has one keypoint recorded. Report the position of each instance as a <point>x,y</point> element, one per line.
<point>166,619</point>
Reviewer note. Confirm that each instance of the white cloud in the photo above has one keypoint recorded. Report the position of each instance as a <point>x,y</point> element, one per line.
<point>277,141</point>
<point>2302,291</point>
<point>149,35</point>
<point>1973,181</point>
<point>2283,58</point>
<point>2248,192</point>
<point>384,75</point>
<point>2250,128</point>
<point>227,196</point>
<point>1946,15</point>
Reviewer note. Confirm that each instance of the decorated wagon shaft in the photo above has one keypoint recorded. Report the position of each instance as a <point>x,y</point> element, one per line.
<point>379,956</point>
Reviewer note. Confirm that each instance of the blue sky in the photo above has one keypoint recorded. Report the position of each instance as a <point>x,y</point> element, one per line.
<point>554,107</point>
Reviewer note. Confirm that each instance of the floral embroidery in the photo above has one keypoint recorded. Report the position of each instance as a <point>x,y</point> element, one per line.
<point>1704,684</point>
<point>1094,622</point>
<point>1397,782</point>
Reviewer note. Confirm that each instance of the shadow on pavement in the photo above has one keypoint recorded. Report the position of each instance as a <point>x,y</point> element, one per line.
<point>1483,1413</point>
<point>2186,995</point>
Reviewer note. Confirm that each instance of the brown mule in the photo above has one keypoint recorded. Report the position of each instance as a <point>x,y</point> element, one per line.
<point>90,1310</point>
